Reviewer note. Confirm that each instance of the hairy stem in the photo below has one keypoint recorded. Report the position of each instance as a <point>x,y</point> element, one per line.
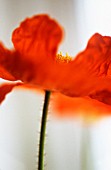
<point>43,130</point>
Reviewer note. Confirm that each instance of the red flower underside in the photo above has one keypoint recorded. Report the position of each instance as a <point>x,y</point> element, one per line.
<point>68,107</point>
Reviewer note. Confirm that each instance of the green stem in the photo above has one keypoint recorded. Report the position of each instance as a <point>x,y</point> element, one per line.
<point>42,131</point>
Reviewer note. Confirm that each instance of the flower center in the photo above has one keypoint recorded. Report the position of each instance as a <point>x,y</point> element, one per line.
<point>63,59</point>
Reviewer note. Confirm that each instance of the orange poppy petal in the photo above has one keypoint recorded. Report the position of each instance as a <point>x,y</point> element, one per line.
<point>90,72</point>
<point>37,38</point>
<point>6,63</point>
<point>12,67</point>
<point>68,107</point>
<point>36,42</point>
<point>5,89</point>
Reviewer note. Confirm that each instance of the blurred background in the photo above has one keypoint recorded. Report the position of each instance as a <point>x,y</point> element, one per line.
<point>70,144</point>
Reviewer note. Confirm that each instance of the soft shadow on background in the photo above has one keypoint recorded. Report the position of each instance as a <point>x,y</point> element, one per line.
<point>69,143</point>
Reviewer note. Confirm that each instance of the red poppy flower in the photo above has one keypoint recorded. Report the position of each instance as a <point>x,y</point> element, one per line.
<point>34,61</point>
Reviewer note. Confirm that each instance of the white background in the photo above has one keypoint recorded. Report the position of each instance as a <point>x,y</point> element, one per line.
<point>69,144</point>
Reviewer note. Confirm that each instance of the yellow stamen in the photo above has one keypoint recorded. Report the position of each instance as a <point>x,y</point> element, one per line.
<point>63,59</point>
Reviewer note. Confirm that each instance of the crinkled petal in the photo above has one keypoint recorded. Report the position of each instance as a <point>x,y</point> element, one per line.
<point>37,38</point>
<point>36,41</point>
<point>89,74</point>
